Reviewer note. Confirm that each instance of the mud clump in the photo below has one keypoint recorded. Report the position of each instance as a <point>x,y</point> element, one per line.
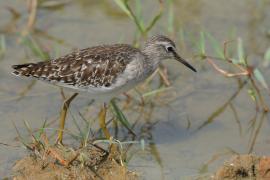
<point>60,162</point>
<point>244,166</point>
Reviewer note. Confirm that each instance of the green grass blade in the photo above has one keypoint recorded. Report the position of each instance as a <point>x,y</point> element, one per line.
<point>201,44</point>
<point>216,46</point>
<point>154,92</point>
<point>30,131</point>
<point>139,12</point>
<point>259,76</point>
<point>182,38</point>
<point>21,139</point>
<point>153,22</point>
<point>123,6</point>
<point>267,57</point>
<point>252,94</point>
<point>35,47</point>
<point>120,116</point>
<point>42,130</point>
<point>2,46</point>
<point>155,153</point>
<point>76,124</point>
<point>170,16</point>
<point>155,19</point>
<point>240,51</point>
<point>87,133</point>
<point>142,143</point>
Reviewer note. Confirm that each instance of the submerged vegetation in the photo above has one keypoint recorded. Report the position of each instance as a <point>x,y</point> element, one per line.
<point>132,118</point>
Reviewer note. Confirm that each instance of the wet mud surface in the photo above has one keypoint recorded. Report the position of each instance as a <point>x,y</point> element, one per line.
<point>245,166</point>
<point>63,162</point>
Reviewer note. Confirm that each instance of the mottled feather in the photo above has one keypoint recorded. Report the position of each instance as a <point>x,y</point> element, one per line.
<point>97,66</point>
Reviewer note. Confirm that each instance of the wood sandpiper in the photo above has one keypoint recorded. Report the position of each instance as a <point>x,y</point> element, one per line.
<point>102,71</point>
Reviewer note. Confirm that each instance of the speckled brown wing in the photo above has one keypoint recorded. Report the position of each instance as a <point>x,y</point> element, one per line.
<point>95,67</point>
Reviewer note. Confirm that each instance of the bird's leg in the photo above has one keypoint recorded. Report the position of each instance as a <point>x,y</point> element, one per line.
<point>63,118</point>
<point>102,121</point>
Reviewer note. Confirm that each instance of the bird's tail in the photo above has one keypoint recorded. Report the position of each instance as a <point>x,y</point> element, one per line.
<point>24,69</point>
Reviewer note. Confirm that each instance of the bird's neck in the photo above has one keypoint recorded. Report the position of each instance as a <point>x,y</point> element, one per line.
<point>151,61</point>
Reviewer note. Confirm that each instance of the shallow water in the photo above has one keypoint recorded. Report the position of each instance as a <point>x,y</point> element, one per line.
<point>177,148</point>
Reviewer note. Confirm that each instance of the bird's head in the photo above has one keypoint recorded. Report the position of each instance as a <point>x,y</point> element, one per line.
<point>161,48</point>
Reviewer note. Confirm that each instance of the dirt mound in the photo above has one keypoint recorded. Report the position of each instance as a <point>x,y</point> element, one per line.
<point>61,162</point>
<point>245,166</point>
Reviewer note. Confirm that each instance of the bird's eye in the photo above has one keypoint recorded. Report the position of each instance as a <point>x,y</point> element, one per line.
<point>169,49</point>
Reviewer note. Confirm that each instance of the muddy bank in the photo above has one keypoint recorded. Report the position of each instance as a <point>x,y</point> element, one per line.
<point>61,162</point>
<point>247,166</point>
<point>244,166</point>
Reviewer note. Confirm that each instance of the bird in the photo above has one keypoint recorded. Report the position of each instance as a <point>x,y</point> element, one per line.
<point>103,71</point>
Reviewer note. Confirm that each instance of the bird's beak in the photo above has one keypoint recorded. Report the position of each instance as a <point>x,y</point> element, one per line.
<point>181,60</point>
